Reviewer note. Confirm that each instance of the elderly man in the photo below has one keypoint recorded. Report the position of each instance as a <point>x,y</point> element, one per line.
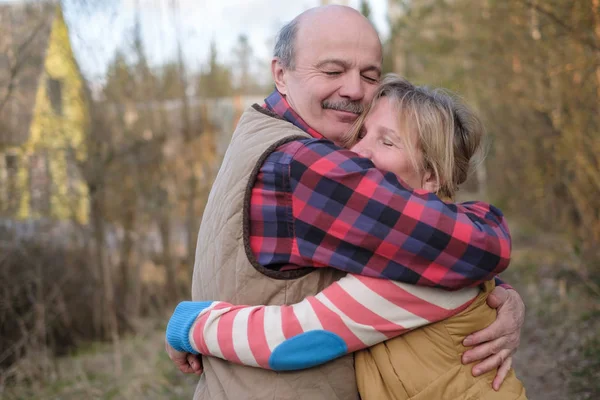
<point>263,241</point>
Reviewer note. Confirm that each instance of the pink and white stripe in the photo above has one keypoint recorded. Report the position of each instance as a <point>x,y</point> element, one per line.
<point>362,310</point>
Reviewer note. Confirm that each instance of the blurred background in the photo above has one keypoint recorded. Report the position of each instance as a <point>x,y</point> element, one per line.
<point>115,114</point>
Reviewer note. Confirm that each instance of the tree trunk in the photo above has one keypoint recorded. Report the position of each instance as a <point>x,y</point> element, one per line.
<point>125,261</point>
<point>192,222</point>
<point>96,264</point>
<point>171,273</point>
<point>596,14</point>
<point>108,311</point>
<point>136,289</point>
<point>40,321</point>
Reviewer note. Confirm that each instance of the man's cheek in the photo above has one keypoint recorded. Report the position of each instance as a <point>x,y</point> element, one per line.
<point>369,93</point>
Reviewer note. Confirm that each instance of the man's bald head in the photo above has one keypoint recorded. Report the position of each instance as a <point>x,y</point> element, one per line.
<point>343,17</point>
<point>326,65</point>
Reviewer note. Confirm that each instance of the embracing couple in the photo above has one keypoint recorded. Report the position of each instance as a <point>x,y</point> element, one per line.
<point>331,261</point>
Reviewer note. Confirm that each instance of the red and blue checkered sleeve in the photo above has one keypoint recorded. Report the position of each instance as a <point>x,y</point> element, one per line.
<point>351,216</point>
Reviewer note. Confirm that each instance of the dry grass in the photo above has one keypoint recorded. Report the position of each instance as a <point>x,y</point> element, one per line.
<point>559,356</point>
<point>90,374</point>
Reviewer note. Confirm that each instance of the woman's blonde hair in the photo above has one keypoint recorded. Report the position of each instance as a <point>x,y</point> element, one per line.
<point>449,134</point>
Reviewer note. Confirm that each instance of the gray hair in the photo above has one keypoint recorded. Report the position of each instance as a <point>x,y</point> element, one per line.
<point>284,46</point>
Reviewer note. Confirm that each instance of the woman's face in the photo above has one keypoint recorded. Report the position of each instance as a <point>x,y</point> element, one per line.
<point>381,141</point>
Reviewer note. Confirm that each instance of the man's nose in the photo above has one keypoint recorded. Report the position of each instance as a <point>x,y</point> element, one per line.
<point>352,87</point>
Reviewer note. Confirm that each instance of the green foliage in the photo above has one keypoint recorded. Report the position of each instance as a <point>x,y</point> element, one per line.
<point>532,69</point>
<point>215,79</point>
<point>365,8</point>
<point>119,78</point>
<point>243,65</point>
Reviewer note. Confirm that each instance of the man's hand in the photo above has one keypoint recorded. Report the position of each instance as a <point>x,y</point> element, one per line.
<point>495,345</point>
<point>187,363</point>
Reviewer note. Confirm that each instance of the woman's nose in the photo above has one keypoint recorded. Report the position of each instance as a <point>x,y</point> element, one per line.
<point>362,150</point>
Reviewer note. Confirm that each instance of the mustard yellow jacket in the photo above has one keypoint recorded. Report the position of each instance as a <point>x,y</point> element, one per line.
<point>426,363</point>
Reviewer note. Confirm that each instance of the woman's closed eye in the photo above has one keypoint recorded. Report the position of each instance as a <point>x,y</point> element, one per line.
<point>388,143</point>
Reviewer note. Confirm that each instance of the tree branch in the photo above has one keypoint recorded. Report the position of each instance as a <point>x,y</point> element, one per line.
<point>20,61</point>
<point>558,21</point>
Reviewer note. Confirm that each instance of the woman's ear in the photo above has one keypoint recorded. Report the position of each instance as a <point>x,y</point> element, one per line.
<point>430,181</point>
<point>278,72</point>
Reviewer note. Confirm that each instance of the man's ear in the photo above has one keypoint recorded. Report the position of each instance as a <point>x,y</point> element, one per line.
<point>278,72</point>
<point>430,181</point>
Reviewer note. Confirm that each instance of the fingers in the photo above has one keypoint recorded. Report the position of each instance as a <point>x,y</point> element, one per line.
<point>189,364</point>
<point>502,326</point>
<point>185,368</point>
<point>186,362</point>
<point>485,350</point>
<point>498,296</point>
<point>491,363</point>
<point>509,320</point>
<point>195,362</point>
<point>502,373</point>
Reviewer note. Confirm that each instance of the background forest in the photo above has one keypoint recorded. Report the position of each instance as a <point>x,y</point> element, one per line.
<point>108,151</point>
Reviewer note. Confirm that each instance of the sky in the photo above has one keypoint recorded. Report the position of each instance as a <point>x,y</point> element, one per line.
<point>99,27</point>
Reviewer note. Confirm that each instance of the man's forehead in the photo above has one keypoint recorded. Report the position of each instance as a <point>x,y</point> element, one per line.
<point>337,33</point>
<point>364,64</point>
<point>333,36</point>
<point>348,49</point>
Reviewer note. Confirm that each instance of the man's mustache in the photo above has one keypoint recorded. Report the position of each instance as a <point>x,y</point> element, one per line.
<point>349,106</point>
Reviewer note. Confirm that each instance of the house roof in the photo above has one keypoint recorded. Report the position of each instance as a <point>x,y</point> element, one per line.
<point>24,33</point>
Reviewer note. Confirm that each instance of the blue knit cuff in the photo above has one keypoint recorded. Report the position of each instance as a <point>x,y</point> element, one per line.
<point>178,329</point>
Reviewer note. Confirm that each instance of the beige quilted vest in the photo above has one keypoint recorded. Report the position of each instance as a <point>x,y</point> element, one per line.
<point>225,269</point>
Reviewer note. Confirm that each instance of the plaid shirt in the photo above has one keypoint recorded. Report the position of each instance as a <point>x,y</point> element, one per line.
<point>315,204</point>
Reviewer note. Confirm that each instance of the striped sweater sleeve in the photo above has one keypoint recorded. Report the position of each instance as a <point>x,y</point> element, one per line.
<point>352,314</point>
